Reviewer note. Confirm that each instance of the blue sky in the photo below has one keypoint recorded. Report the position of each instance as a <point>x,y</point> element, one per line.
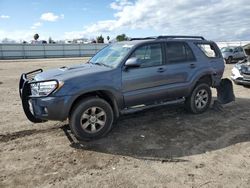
<point>67,19</point>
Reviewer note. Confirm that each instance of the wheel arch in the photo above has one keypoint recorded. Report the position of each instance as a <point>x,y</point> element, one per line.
<point>104,94</point>
<point>207,78</point>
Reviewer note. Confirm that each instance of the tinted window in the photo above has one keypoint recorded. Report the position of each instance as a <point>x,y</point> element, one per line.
<point>208,50</point>
<point>149,55</point>
<point>226,49</point>
<point>179,52</point>
<point>236,50</point>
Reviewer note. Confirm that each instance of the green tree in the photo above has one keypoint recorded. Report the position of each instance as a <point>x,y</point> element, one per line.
<point>36,36</point>
<point>100,39</point>
<point>121,37</point>
<point>50,40</point>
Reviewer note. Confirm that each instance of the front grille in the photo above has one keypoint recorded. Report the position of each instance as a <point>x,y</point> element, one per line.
<point>246,76</point>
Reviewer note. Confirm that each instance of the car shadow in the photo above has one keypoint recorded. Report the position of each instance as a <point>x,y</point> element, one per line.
<point>167,133</point>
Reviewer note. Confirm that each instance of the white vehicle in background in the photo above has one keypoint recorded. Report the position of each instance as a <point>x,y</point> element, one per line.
<point>233,54</point>
<point>241,72</point>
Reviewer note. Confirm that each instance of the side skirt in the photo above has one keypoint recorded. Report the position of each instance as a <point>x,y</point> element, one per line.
<point>144,107</point>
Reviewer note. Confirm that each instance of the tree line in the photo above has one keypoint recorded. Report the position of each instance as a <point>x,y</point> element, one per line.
<point>99,39</point>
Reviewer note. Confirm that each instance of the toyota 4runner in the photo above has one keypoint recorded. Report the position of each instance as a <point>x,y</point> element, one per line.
<point>121,78</point>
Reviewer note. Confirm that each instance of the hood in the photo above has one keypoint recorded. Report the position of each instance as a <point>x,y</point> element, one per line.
<point>65,73</point>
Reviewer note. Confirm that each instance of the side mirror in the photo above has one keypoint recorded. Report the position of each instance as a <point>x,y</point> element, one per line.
<point>132,62</point>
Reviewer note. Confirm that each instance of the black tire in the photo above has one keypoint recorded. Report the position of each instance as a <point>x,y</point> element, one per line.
<point>191,101</point>
<point>78,121</point>
<point>229,60</point>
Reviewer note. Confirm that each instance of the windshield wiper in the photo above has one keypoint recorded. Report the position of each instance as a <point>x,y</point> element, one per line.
<point>102,64</point>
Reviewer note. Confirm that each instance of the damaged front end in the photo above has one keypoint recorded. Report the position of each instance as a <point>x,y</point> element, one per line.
<point>241,72</point>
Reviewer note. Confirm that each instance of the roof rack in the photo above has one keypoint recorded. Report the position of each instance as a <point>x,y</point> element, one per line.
<point>145,38</point>
<point>180,37</point>
<point>170,37</point>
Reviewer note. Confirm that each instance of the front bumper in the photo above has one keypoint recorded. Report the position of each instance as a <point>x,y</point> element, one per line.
<point>238,78</point>
<point>40,109</point>
<point>241,81</point>
<point>50,108</point>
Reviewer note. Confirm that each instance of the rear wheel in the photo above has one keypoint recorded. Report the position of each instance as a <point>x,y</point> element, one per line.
<point>91,118</point>
<point>200,99</point>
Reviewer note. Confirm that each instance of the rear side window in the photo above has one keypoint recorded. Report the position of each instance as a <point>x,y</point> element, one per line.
<point>178,52</point>
<point>208,50</point>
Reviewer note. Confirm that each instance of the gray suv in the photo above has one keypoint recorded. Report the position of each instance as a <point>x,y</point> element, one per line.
<point>122,78</point>
<point>233,54</point>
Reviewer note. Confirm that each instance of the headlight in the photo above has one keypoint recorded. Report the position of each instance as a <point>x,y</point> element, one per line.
<point>238,66</point>
<point>44,88</point>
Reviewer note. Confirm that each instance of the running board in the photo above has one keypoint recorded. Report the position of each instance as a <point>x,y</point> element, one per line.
<point>144,107</point>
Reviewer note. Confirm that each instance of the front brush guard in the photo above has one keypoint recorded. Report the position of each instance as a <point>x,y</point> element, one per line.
<point>24,92</point>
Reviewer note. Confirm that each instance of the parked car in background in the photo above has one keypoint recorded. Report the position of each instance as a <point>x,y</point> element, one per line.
<point>122,78</point>
<point>241,72</point>
<point>233,54</point>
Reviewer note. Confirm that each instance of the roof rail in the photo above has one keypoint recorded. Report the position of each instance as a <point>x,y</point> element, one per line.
<point>145,38</point>
<point>180,37</point>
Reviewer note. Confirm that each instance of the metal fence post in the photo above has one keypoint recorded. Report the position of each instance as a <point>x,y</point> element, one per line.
<point>23,49</point>
<point>79,50</point>
<point>44,54</point>
<point>1,49</point>
<point>63,49</point>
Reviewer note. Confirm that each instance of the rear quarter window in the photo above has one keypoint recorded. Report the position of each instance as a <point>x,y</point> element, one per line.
<point>208,50</point>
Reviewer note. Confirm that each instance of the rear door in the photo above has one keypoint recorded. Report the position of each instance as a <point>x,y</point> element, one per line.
<point>181,65</point>
<point>141,85</point>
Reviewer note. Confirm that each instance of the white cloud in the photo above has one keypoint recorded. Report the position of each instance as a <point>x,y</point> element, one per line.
<point>51,17</point>
<point>214,19</point>
<point>27,35</point>
<point>4,16</point>
<point>36,25</point>
<point>120,4</point>
<point>16,35</point>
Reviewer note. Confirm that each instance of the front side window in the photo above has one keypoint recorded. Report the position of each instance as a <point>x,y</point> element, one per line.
<point>149,55</point>
<point>236,50</point>
<point>208,50</point>
<point>178,52</point>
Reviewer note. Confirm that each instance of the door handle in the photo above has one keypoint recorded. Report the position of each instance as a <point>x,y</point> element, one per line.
<point>192,65</point>
<point>161,69</point>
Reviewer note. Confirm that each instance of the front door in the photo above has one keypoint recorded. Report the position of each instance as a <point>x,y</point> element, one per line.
<point>141,85</point>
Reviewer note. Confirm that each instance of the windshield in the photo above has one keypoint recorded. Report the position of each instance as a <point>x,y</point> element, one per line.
<point>226,49</point>
<point>111,55</point>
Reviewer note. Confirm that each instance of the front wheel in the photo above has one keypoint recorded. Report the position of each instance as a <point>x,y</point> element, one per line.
<point>200,99</point>
<point>91,118</point>
<point>229,60</point>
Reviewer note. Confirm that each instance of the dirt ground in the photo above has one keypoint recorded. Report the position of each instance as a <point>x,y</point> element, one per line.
<point>161,147</point>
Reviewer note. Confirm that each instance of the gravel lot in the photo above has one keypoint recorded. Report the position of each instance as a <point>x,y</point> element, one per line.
<point>161,147</point>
